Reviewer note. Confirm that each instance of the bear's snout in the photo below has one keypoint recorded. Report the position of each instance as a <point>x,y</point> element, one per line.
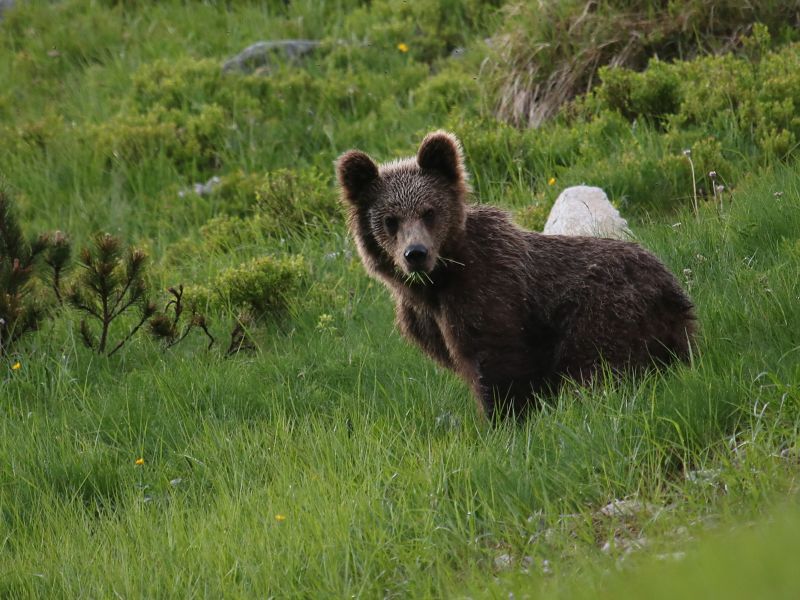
<point>416,255</point>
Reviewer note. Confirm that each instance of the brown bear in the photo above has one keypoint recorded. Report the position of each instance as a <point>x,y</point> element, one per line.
<point>513,312</point>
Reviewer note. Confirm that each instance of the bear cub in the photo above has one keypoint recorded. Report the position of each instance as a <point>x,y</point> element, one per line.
<point>511,311</point>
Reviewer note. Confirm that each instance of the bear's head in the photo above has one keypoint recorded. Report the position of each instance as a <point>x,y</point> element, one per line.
<point>404,214</point>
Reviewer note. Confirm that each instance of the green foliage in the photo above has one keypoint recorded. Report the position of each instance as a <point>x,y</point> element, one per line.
<point>533,216</point>
<point>280,201</point>
<point>448,90</point>
<point>428,29</point>
<point>297,200</point>
<point>652,94</point>
<point>20,310</point>
<point>23,303</point>
<point>260,209</point>
<point>192,142</point>
<point>549,52</point>
<point>733,95</point>
<point>263,285</point>
<point>112,280</point>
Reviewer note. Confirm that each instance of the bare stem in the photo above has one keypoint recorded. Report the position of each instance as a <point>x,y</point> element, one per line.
<point>695,205</point>
<point>131,333</point>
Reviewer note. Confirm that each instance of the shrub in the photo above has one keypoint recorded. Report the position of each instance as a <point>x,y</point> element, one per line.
<point>190,141</point>
<point>278,202</point>
<point>263,285</point>
<point>749,105</point>
<point>550,51</point>
<point>449,89</point>
<point>651,95</point>
<point>20,310</point>
<point>186,84</point>
<point>112,281</point>
<point>297,199</point>
<point>273,205</point>
<point>173,328</point>
<point>36,134</point>
<point>23,305</point>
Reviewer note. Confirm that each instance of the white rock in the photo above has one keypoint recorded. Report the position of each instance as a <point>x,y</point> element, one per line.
<point>586,210</point>
<point>626,509</point>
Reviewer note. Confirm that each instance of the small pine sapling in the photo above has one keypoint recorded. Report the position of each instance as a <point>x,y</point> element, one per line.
<point>167,327</point>
<point>56,257</point>
<point>22,307</point>
<point>112,281</point>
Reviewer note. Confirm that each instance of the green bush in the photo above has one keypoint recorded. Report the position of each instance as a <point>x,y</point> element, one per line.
<point>113,279</point>
<point>296,199</point>
<point>35,134</point>
<point>254,208</point>
<point>186,84</point>
<point>263,285</point>
<point>449,89</point>
<point>24,298</point>
<point>750,107</point>
<point>192,142</point>
<point>549,52</point>
<point>652,94</point>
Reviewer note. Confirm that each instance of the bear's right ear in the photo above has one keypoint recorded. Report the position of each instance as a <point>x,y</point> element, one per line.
<point>355,171</point>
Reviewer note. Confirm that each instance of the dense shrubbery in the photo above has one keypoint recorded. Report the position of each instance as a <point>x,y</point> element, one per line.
<point>549,52</point>
<point>262,285</point>
<point>749,104</point>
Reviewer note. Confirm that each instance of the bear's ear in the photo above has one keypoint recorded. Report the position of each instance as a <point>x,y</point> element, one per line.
<point>355,171</point>
<point>441,151</point>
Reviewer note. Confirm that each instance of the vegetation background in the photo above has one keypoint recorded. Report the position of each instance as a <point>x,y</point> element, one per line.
<point>309,451</point>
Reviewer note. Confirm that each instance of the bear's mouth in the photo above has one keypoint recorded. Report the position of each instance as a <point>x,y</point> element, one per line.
<point>416,277</point>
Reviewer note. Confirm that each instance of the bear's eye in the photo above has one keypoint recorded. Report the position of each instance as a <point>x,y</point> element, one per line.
<point>391,224</point>
<point>428,216</point>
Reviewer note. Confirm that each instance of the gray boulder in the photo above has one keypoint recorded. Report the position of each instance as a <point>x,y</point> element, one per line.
<point>586,210</point>
<point>5,5</point>
<point>259,54</point>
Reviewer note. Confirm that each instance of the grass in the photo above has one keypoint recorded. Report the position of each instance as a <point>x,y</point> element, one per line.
<point>336,460</point>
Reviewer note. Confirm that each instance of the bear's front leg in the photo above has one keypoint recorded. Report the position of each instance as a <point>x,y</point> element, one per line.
<point>421,328</point>
<point>505,399</point>
<point>508,385</point>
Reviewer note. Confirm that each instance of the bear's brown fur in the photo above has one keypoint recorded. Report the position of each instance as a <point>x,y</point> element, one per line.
<point>511,311</point>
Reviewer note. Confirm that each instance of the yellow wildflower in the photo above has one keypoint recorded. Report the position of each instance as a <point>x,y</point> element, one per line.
<point>139,461</point>
<point>403,47</point>
<point>551,181</point>
<point>280,518</point>
<point>16,366</point>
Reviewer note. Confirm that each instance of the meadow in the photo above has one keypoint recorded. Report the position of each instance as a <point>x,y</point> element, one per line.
<point>310,451</point>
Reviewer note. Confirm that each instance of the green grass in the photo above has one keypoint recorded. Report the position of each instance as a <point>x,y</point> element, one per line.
<point>336,460</point>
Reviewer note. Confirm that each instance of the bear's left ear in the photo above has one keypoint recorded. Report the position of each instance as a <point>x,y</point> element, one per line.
<point>441,151</point>
<point>355,171</point>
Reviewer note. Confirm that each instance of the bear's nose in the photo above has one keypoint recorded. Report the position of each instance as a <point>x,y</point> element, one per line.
<point>415,255</point>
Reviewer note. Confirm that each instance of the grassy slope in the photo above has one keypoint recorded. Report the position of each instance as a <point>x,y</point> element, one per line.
<point>385,479</point>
